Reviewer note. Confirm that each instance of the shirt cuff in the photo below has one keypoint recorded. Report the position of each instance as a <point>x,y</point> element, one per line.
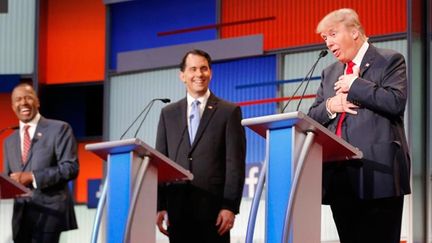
<point>34,181</point>
<point>329,113</point>
<point>352,81</point>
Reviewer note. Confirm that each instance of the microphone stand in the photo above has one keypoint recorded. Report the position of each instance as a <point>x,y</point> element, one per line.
<point>7,128</point>
<point>307,84</point>
<point>136,119</point>
<point>322,54</point>
<point>145,116</point>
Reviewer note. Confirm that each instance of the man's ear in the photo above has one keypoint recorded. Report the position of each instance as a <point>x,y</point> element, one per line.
<point>182,77</point>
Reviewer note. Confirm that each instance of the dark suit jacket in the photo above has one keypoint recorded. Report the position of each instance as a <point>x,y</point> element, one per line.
<point>216,159</point>
<point>378,128</point>
<point>54,162</point>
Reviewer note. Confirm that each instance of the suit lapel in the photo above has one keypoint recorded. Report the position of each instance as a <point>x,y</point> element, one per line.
<point>368,59</point>
<point>182,115</point>
<point>339,71</point>
<point>40,128</point>
<point>209,110</point>
<point>16,149</point>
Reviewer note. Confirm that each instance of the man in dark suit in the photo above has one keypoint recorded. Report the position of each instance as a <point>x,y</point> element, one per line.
<point>362,98</point>
<point>202,210</point>
<point>41,155</point>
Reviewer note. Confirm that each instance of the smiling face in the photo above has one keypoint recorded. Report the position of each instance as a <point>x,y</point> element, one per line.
<point>25,103</point>
<point>342,41</point>
<point>196,75</point>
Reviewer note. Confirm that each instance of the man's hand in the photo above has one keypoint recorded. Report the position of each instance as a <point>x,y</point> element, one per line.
<point>161,216</point>
<point>24,178</point>
<point>339,103</point>
<point>225,221</point>
<point>344,82</point>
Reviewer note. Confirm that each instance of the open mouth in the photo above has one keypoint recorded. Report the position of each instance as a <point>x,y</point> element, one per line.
<point>336,52</point>
<point>25,111</point>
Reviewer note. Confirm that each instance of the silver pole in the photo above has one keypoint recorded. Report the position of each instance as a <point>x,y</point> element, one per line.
<point>256,199</point>
<point>298,172</point>
<point>136,190</point>
<point>99,212</point>
<point>255,203</point>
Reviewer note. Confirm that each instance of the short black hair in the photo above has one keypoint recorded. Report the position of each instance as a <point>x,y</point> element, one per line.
<point>24,82</point>
<point>197,52</point>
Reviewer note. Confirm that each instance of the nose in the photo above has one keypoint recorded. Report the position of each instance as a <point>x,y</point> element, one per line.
<point>22,101</point>
<point>198,72</point>
<point>329,43</point>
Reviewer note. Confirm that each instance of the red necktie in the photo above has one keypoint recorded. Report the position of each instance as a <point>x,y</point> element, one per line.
<point>26,144</point>
<point>342,116</point>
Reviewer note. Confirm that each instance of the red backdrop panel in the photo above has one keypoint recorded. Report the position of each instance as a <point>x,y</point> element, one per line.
<point>91,167</point>
<point>8,118</point>
<point>72,41</point>
<point>296,21</point>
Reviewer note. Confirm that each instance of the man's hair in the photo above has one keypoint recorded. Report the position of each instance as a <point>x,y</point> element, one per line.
<point>197,52</point>
<point>346,16</point>
<point>24,83</point>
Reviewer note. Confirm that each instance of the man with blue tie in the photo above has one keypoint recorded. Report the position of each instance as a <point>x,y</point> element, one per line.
<point>362,99</point>
<point>203,134</point>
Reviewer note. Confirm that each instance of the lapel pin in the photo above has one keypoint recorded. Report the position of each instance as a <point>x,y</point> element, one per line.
<point>367,65</point>
<point>210,107</point>
<point>39,134</point>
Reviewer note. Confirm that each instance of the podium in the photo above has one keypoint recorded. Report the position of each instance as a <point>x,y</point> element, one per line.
<point>134,170</point>
<point>10,189</point>
<point>296,147</point>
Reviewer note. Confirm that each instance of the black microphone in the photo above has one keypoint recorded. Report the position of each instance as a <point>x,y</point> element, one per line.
<point>308,76</point>
<point>8,128</point>
<point>166,100</point>
<point>147,107</point>
<point>322,54</point>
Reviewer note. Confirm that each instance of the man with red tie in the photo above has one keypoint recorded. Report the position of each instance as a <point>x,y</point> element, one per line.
<point>362,99</point>
<point>41,155</point>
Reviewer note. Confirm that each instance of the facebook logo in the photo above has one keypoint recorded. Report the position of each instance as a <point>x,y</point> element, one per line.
<point>251,180</point>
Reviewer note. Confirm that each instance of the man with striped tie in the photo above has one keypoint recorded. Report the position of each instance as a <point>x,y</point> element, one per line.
<point>41,155</point>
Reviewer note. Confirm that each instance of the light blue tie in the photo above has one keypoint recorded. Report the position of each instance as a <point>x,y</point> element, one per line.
<point>194,119</point>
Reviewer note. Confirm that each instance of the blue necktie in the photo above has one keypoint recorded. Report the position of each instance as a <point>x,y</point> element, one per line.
<point>194,119</point>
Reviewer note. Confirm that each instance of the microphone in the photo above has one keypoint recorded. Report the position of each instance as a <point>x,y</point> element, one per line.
<point>146,108</point>
<point>322,54</point>
<point>308,76</point>
<point>7,128</point>
<point>166,100</point>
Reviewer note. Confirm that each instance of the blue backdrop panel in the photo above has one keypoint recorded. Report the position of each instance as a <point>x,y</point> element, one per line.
<point>230,74</point>
<point>8,82</point>
<point>135,25</point>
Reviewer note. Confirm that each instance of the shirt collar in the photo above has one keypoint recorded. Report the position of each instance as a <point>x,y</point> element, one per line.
<point>32,123</point>
<point>361,53</point>
<point>202,99</point>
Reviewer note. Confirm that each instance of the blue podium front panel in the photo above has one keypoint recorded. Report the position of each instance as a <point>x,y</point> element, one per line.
<point>279,176</point>
<point>118,195</point>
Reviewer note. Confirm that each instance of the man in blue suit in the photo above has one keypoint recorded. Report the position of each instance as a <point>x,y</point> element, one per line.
<point>41,155</point>
<point>202,210</point>
<point>362,99</point>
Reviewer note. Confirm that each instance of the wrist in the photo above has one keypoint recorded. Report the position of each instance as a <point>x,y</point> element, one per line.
<point>328,105</point>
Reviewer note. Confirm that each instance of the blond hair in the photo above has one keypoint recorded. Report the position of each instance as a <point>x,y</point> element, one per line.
<point>346,16</point>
